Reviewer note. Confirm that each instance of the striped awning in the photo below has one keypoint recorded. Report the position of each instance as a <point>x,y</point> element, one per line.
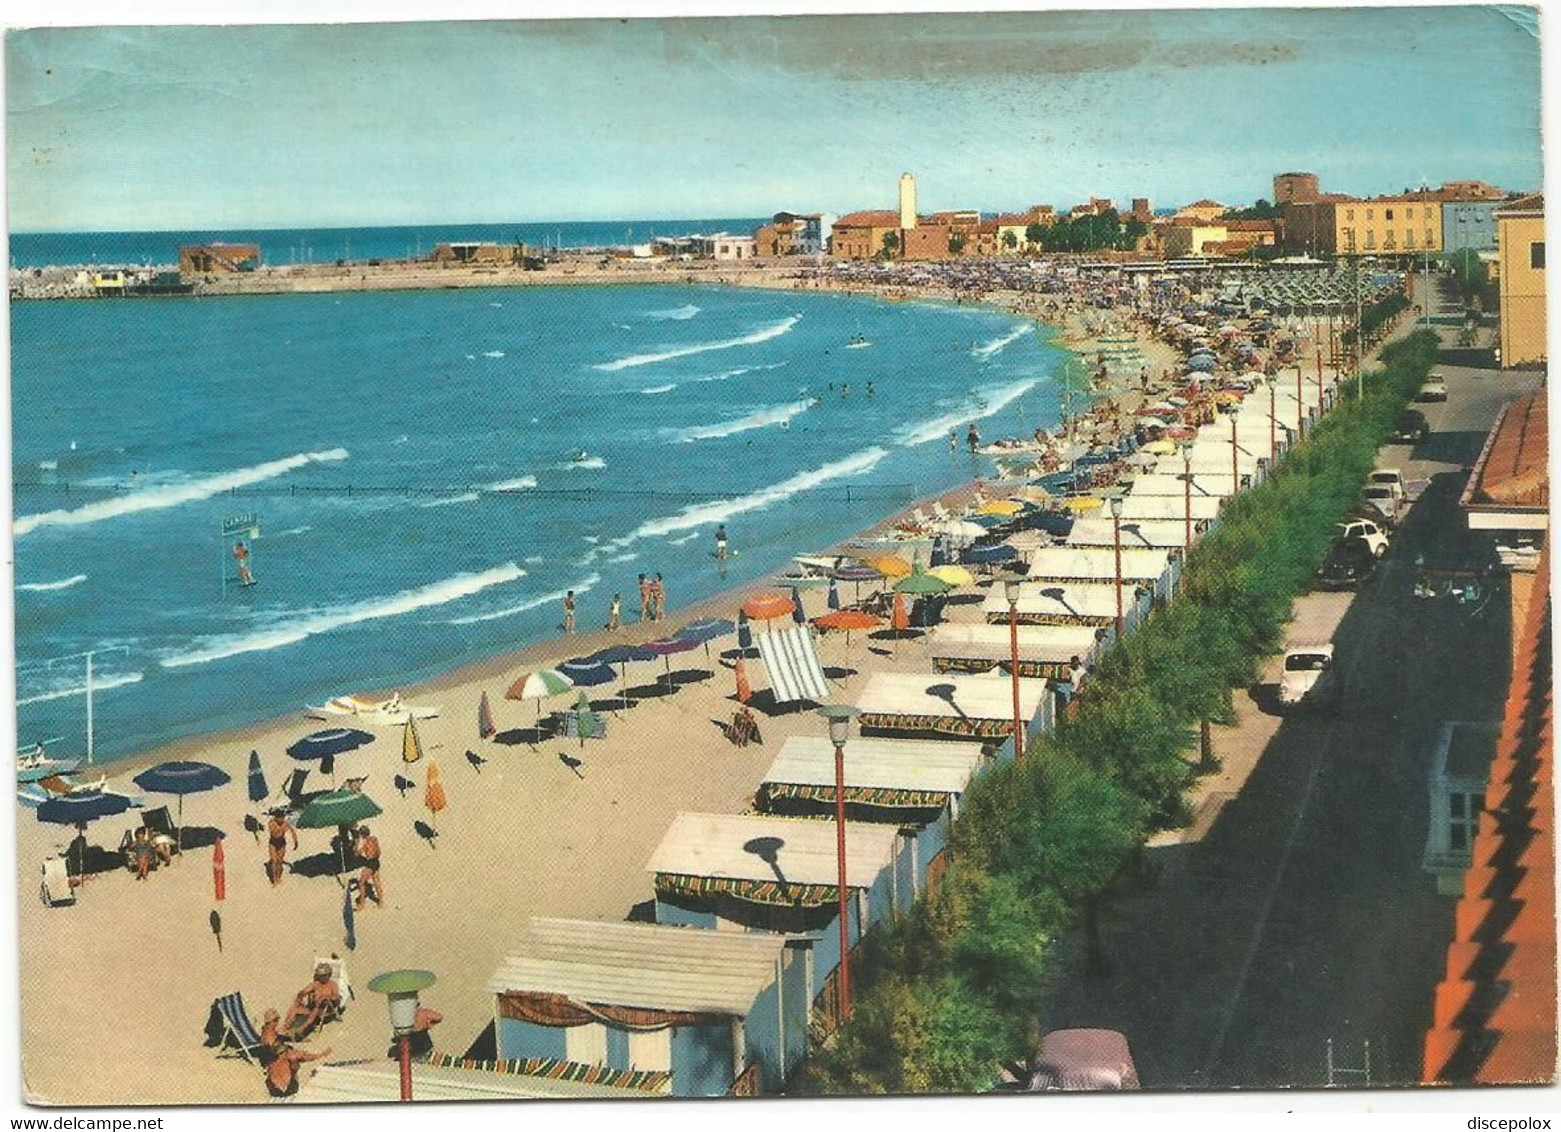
<point>554,1069</point>
<point>885,797</point>
<point>954,726</point>
<point>1039,669</point>
<point>670,886</point>
<point>792,663</point>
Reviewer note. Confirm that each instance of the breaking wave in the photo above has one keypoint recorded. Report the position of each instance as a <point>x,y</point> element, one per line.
<point>43,587</point>
<point>983,403</point>
<point>100,683</point>
<point>998,345</point>
<point>762,418</point>
<point>654,389</point>
<point>584,585</point>
<point>520,484</point>
<point>676,314</point>
<point>769,332</point>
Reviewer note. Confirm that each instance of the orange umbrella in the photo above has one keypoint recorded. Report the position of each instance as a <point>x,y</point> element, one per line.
<point>433,794</point>
<point>767,607</point>
<point>744,689</point>
<point>849,619</point>
<point>902,619</point>
<point>219,870</point>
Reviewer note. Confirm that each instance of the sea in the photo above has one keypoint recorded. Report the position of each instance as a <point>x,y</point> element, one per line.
<point>430,472</point>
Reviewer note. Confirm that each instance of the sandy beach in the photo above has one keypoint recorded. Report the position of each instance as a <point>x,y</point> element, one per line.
<point>524,835</point>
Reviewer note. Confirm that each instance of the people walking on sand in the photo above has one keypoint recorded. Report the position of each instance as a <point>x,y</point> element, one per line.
<point>645,604</point>
<point>569,612</point>
<point>615,613</point>
<point>720,543</point>
<point>278,830</point>
<point>369,884</point>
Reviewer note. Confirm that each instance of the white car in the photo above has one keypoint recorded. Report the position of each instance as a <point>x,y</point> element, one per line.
<point>1390,478</point>
<point>1374,536</point>
<point>1307,676</point>
<point>1434,389</point>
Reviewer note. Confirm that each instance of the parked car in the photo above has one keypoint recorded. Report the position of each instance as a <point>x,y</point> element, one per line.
<point>1368,531</point>
<point>1412,428</point>
<point>1307,677</point>
<point>1380,502</point>
<point>1083,1061</point>
<point>1349,563</point>
<point>1434,389</point>
<point>1390,477</point>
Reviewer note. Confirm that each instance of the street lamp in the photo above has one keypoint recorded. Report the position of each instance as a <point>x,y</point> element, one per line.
<point>839,728</point>
<point>1186,448</point>
<point>1235,470</point>
<point>1300,406</point>
<point>1011,592</point>
<point>1273,440</point>
<point>1116,540</point>
<point>401,988</point>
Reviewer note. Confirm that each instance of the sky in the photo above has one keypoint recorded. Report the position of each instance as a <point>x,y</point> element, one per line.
<point>232,127</point>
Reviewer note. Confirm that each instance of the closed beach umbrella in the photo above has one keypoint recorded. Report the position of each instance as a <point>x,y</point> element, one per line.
<point>767,607</point>
<point>219,871</point>
<point>411,745</point>
<point>744,689</point>
<point>668,647</point>
<point>539,685</point>
<point>349,921</point>
<point>258,790</point>
<point>797,613</point>
<point>179,779</point>
<point>433,794</point>
<point>744,633</point>
<point>833,601</point>
<point>485,727</point>
<point>901,620</point>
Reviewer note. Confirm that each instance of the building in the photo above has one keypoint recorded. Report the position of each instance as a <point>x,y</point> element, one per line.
<point>1094,207</point>
<point>1296,188</point>
<point>474,252</point>
<point>1457,798</point>
<point>1520,247</point>
<point>1468,190</point>
<point>1469,225</point>
<point>218,259</point>
<point>1201,210</point>
<point>727,247</point>
<point>907,201</point>
<point>794,233</point>
<point>927,241</point>
<point>1018,225</point>
<point>1185,236</point>
<point>865,235</point>
<point>1380,226</point>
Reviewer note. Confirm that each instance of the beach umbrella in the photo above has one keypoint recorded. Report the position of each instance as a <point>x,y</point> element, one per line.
<point>485,727</point>
<point>326,745</point>
<point>988,523</point>
<point>668,647</point>
<point>621,655</point>
<point>849,621</point>
<point>433,794</point>
<point>960,530</point>
<point>1007,507</point>
<point>988,555</point>
<point>797,613</point>
<point>542,684</point>
<point>744,633</point>
<point>856,573</point>
<point>767,607</point>
<point>921,583</point>
<point>219,871</point>
<point>891,566</point>
<point>833,601</point>
<point>706,631</point>
<point>79,809</point>
<point>587,672</point>
<point>744,689</point>
<point>349,920</point>
<point>1161,448</point>
<point>258,790</point>
<point>1082,504</point>
<point>953,575</point>
<point>411,745</point>
<point>588,725</point>
<point>179,779</point>
<point>901,620</point>
<point>339,808</point>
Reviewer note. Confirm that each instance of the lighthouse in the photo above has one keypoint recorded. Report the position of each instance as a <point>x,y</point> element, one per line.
<point>907,201</point>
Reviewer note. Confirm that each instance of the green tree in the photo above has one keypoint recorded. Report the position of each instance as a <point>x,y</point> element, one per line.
<point>891,245</point>
<point>957,244</point>
<point>1010,241</point>
<point>1035,234</point>
<point>1260,210</point>
<point>1470,274</point>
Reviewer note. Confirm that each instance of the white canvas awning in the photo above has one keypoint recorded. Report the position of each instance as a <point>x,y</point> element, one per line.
<point>1096,564</point>
<point>979,706</point>
<point>1062,603</point>
<point>878,764</point>
<point>1162,533</point>
<point>1209,485</point>
<point>715,845</point>
<point>1135,507</point>
<point>646,966</point>
<point>1049,644</point>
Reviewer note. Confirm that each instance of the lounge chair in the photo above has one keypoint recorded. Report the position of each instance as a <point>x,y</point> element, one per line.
<point>940,512</point>
<point>57,888</point>
<point>159,823</point>
<point>292,795</point>
<point>229,1030</point>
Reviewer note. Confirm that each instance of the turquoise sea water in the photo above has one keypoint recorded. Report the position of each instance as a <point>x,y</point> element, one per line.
<point>415,460</point>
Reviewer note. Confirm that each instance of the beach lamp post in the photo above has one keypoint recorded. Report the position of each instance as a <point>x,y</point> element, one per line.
<point>1235,447</point>
<point>1011,592</point>
<point>839,728</point>
<point>1187,499</point>
<point>1116,542</point>
<point>401,988</point>
<point>1273,437</point>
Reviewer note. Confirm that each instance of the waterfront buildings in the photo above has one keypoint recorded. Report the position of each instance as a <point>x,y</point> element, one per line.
<point>1521,260</point>
<point>1395,225</point>
<point>218,259</point>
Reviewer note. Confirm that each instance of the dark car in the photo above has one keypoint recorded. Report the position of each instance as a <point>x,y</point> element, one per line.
<point>1412,428</point>
<point>1349,563</point>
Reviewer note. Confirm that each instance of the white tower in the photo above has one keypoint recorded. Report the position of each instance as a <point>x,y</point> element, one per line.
<point>907,201</point>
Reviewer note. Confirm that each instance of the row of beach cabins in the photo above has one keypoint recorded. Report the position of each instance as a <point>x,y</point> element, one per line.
<point>738,976</point>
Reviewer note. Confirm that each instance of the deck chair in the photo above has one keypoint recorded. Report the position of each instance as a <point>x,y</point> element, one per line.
<point>292,795</point>
<point>354,784</point>
<point>338,967</point>
<point>229,1030</point>
<point>57,888</point>
<point>159,823</point>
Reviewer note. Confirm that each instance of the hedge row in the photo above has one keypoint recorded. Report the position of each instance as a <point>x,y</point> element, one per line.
<point>954,987</point>
<point>1377,316</point>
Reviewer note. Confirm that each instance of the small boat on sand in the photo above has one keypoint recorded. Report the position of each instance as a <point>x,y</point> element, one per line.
<point>391,711</point>
<point>36,765</point>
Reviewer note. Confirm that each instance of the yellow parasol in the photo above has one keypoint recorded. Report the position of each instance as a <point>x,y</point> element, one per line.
<point>891,566</point>
<point>411,745</point>
<point>1005,507</point>
<point>1161,448</point>
<point>1082,505</point>
<point>433,794</point>
<point>953,575</point>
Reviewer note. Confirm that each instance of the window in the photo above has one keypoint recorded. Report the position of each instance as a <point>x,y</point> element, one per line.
<point>1536,255</point>
<point>1463,819</point>
<point>1388,212</point>
<point>1409,239</point>
<point>1349,214</point>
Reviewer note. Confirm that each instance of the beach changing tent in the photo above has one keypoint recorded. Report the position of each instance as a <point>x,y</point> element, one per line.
<point>1065,603</point>
<point>933,706</point>
<point>711,1012</point>
<point>791,660</point>
<point>1044,650</point>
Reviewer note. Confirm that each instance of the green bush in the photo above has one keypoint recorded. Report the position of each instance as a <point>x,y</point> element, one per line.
<point>954,987</point>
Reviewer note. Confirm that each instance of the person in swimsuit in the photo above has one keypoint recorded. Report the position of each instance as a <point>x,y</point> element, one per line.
<point>368,881</point>
<point>278,830</point>
<point>282,1072</point>
<point>311,1004</point>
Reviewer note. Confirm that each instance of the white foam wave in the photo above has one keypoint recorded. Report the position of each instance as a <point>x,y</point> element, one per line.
<point>493,353</point>
<point>685,540</point>
<point>718,511</point>
<point>676,314</point>
<point>761,418</point>
<point>629,557</point>
<point>590,463</point>
<point>291,531</point>
<point>49,465</point>
<point>739,371</point>
<point>998,345</point>
<point>520,484</point>
<point>584,585</point>
<point>764,335</point>
<point>100,683</point>
<point>654,389</point>
<point>464,497</point>
<point>984,403</point>
<point>62,584</point>
<point>173,495</point>
<point>314,622</point>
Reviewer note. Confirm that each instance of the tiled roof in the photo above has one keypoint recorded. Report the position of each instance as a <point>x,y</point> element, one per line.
<point>1535,203</point>
<point>1250,225</point>
<point>1494,1015</point>
<point>872,218</point>
<point>1513,471</point>
<point>1204,204</point>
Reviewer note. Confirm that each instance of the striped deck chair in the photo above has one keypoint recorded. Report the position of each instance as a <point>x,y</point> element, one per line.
<point>229,1030</point>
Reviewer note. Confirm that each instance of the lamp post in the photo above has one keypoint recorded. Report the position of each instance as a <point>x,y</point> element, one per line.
<point>1235,470</point>
<point>1011,592</point>
<point>1187,498</point>
<point>839,727</point>
<point>1300,405</point>
<point>401,988</point>
<point>1273,439</point>
<point>1116,542</point>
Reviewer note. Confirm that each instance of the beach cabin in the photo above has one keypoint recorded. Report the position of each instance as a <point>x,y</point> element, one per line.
<point>1140,566</point>
<point>911,785</point>
<point>1091,604</point>
<point>446,1078</point>
<point>707,1012</point>
<point>1044,650</point>
<point>931,705</point>
<point>1165,534</point>
<point>751,872</point>
<point>1136,507</point>
<point>1167,480</point>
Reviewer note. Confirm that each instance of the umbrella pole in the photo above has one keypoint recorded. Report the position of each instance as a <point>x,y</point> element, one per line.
<point>178,834</point>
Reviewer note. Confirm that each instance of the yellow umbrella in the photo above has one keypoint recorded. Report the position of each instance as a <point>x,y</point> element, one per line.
<point>1082,505</point>
<point>411,746</point>
<point>1000,507</point>
<point>1161,448</point>
<point>1033,495</point>
<point>891,566</point>
<point>953,575</point>
<point>433,794</point>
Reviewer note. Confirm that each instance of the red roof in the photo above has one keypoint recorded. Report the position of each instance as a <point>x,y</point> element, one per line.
<point>1250,225</point>
<point>872,218</point>
<point>1513,471</point>
<point>1535,203</point>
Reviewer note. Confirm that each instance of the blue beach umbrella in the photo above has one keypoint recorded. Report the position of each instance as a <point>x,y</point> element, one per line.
<point>797,614</point>
<point>258,790</point>
<point>79,809</point>
<point>988,555</point>
<point>621,655</point>
<point>833,602</point>
<point>332,741</point>
<point>708,630</point>
<point>179,779</point>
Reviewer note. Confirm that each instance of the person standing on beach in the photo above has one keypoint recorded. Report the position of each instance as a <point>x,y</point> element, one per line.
<point>278,829</point>
<point>615,614</point>
<point>953,442</point>
<point>658,597</point>
<point>720,543</point>
<point>973,439</point>
<point>644,599</point>
<point>368,881</point>
<point>569,612</point>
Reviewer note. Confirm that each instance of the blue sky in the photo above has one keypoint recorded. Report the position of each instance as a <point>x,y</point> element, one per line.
<point>171,127</point>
